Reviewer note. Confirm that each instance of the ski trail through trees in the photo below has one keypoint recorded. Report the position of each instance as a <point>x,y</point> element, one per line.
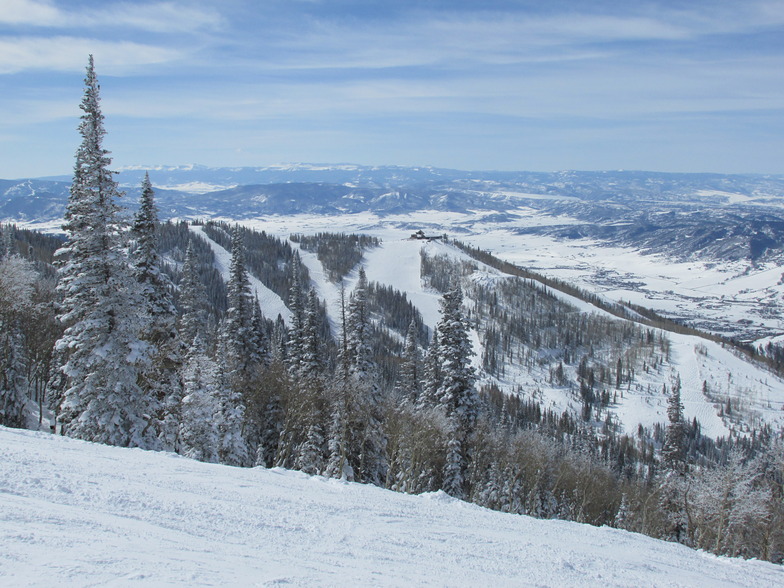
<point>271,304</point>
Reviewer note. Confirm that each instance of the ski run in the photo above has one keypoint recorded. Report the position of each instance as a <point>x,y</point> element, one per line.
<point>74,513</point>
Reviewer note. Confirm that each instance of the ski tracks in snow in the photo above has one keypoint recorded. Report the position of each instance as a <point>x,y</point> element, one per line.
<point>88,514</point>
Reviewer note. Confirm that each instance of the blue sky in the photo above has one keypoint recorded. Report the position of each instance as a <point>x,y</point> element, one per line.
<point>499,84</point>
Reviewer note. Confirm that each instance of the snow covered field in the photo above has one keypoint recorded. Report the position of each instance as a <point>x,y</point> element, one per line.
<point>79,514</point>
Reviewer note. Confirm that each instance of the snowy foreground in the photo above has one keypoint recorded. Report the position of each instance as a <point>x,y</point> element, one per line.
<point>75,513</point>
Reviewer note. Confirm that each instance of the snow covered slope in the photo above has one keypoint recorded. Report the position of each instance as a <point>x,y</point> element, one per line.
<point>77,514</point>
<point>710,374</point>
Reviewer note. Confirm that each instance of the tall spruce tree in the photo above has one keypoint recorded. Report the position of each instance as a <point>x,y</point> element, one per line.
<point>238,368</point>
<point>338,464</point>
<point>161,380</point>
<point>409,385</point>
<point>432,374</point>
<point>101,352</point>
<point>258,338</point>
<point>367,441</point>
<point>675,480</point>
<point>456,391</point>
<point>201,410</point>
<point>674,449</point>
<point>296,331</point>
<point>359,353</point>
<point>232,443</point>
<point>193,296</point>
<point>311,353</point>
<point>237,329</point>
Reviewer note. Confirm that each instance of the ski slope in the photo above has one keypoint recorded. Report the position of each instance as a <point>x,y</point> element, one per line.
<point>710,295</point>
<point>74,513</point>
<point>757,394</point>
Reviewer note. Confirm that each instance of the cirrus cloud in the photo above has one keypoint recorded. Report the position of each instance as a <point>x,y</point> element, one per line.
<point>70,53</point>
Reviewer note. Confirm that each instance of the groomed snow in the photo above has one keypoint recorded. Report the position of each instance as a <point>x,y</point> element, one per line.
<point>79,514</point>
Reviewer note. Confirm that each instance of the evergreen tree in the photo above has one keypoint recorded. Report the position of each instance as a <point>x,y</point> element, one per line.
<point>311,355</point>
<point>232,444</point>
<point>200,409</point>
<point>265,411</point>
<point>17,282</point>
<point>367,441</point>
<point>101,353</point>
<point>674,449</point>
<point>359,353</point>
<point>156,286</point>
<point>343,355</point>
<point>455,467</point>
<point>456,392</point>
<point>193,295</point>
<point>238,366</point>
<point>161,380</point>
<point>6,241</point>
<point>410,369</point>
<point>310,457</point>
<point>338,463</point>
<point>675,481</point>
<point>257,343</point>
<point>296,332</point>
<point>277,344</point>
<point>238,323</point>
<point>432,374</point>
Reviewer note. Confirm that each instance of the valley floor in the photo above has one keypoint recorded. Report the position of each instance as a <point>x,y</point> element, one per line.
<point>75,513</point>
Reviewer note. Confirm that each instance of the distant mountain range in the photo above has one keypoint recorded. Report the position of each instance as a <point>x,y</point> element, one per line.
<point>710,215</point>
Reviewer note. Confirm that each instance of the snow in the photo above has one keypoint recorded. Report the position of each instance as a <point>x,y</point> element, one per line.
<point>397,263</point>
<point>729,292</point>
<point>712,295</point>
<point>196,187</point>
<point>734,199</point>
<point>734,298</point>
<point>77,514</point>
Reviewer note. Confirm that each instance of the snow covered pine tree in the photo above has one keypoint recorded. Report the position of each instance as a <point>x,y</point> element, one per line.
<point>456,391</point>
<point>101,352</point>
<point>161,379</point>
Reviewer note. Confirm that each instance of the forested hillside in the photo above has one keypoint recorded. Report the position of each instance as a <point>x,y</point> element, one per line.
<point>419,365</point>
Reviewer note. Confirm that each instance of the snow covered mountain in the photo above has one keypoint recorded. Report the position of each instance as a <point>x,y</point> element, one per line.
<point>707,250</point>
<point>69,514</point>
<point>710,374</point>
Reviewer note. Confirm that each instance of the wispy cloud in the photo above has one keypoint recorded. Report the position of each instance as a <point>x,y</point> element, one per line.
<point>70,53</point>
<point>35,12</point>
<point>150,16</point>
<point>492,38</point>
<point>158,17</point>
